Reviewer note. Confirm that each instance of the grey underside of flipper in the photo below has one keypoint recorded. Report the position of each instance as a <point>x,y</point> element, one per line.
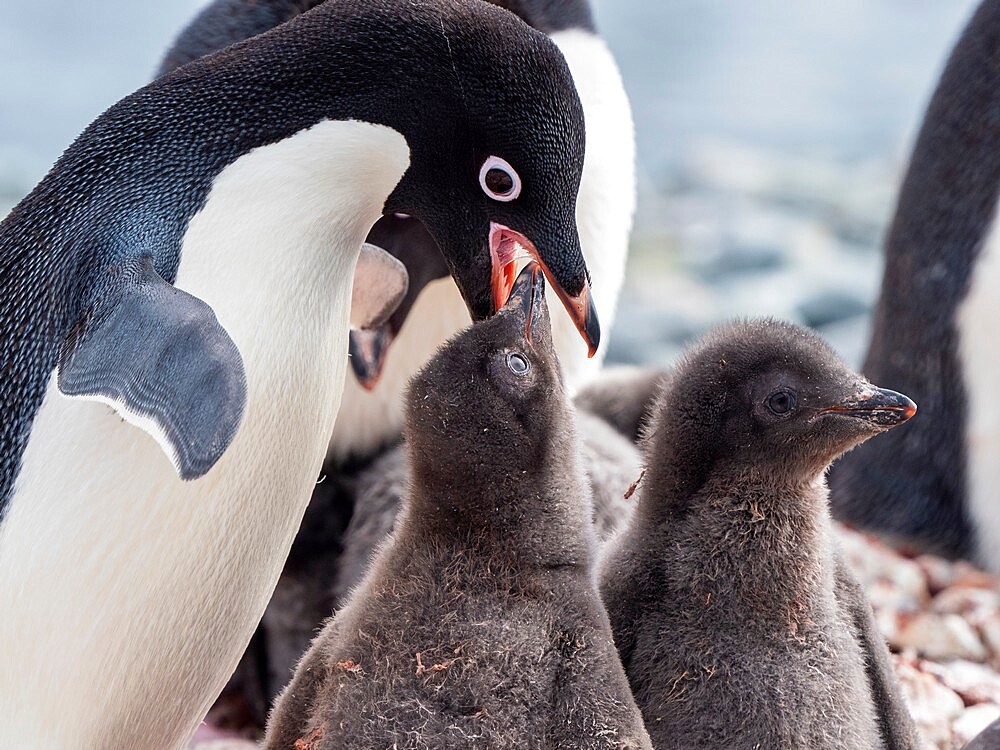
<point>895,723</point>
<point>161,358</point>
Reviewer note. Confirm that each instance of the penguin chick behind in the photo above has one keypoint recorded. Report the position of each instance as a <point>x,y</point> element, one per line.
<point>737,622</point>
<point>479,624</point>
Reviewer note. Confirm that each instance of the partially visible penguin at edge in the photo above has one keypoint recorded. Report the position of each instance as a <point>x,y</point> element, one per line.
<point>479,624</point>
<point>934,484</point>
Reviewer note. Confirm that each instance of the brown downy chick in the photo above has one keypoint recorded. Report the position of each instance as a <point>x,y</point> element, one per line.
<point>737,622</point>
<point>479,624</point>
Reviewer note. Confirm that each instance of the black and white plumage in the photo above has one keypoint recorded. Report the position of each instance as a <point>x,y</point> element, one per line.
<point>933,484</point>
<point>384,358</point>
<point>479,624</point>
<point>190,259</point>
<point>371,415</point>
<point>737,621</point>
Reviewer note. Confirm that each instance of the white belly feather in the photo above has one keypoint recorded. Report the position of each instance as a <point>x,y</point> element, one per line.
<point>128,595</point>
<point>978,319</point>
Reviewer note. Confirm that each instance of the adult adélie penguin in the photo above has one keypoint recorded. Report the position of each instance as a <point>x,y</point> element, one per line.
<point>174,301</point>
<point>385,357</point>
<point>933,484</point>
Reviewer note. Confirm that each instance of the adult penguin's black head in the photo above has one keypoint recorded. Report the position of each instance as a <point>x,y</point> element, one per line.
<point>496,135</point>
<point>487,107</point>
<point>490,113</point>
<point>767,399</point>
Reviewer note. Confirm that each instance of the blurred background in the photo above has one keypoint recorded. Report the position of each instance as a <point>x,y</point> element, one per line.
<point>771,139</point>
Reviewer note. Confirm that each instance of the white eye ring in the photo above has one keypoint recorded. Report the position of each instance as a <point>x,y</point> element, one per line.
<point>518,363</point>
<point>500,165</point>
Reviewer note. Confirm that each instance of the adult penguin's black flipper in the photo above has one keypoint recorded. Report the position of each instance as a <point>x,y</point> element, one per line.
<point>161,359</point>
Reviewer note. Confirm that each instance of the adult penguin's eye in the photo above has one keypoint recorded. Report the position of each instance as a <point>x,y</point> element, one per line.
<point>499,180</point>
<point>781,402</point>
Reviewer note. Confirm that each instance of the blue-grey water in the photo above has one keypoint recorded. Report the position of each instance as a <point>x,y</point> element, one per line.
<point>842,78</point>
<point>771,135</point>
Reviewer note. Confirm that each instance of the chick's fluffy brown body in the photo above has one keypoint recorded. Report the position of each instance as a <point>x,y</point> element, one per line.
<point>746,645</point>
<point>479,624</point>
<point>738,623</point>
<point>439,653</point>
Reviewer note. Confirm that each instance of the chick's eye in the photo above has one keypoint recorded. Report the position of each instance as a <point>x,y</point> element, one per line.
<point>781,402</point>
<point>499,180</point>
<point>517,363</point>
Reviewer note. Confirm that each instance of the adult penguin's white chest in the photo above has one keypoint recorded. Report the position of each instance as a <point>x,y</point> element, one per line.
<point>134,593</point>
<point>977,322</point>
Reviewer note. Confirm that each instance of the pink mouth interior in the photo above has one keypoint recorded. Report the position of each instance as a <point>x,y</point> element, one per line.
<point>506,248</point>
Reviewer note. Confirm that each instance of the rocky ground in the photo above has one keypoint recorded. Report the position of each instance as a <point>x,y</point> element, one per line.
<point>942,621</point>
<point>734,231</point>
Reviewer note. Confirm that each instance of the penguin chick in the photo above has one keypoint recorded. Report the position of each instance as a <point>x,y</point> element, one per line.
<point>329,548</point>
<point>326,551</point>
<point>479,624</point>
<point>736,620</point>
<point>610,463</point>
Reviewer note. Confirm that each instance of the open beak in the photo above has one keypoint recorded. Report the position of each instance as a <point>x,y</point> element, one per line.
<point>507,246</point>
<point>881,407</point>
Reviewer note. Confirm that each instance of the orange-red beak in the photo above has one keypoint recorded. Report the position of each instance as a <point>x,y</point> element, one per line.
<point>507,246</point>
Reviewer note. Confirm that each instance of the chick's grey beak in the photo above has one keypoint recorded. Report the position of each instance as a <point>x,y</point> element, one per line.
<point>880,406</point>
<point>368,349</point>
<point>526,302</point>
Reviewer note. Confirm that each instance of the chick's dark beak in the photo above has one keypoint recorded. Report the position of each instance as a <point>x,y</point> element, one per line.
<point>506,247</point>
<point>880,406</point>
<point>406,239</point>
<point>526,303</point>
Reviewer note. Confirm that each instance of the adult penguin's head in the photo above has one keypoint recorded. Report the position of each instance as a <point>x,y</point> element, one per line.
<point>496,137</point>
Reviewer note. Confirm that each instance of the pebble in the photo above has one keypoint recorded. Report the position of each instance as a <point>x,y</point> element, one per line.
<point>990,632</point>
<point>940,573</point>
<point>934,706</point>
<point>944,617</point>
<point>941,637</point>
<point>976,605</point>
<point>974,683</point>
